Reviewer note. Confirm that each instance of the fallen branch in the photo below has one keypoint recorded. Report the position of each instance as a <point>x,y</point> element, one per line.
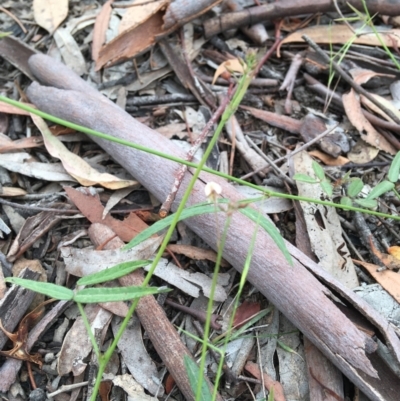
<point>161,332</point>
<point>293,289</point>
<point>289,8</point>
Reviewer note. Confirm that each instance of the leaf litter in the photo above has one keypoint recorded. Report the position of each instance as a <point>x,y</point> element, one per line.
<point>137,29</point>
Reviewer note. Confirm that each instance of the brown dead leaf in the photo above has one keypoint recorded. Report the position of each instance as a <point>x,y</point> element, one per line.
<point>390,261</point>
<point>165,18</point>
<point>388,279</point>
<point>100,28</point>
<point>332,34</point>
<point>92,209</point>
<point>9,145</point>
<point>269,383</point>
<point>244,312</point>
<point>287,123</point>
<point>7,108</point>
<point>196,253</point>
<point>387,103</point>
<point>369,134</point>
<point>19,339</point>
<point>131,42</point>
<point>173,129</point>
<point>227,67</point>
<point>394,251</point>
<point>329,160</point>
<point>74,165</point>
<point>362,76</point>
<point>140,11</point>
<point>50,13</point>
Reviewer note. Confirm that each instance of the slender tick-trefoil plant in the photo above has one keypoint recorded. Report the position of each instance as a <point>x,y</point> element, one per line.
<point>92,294</point>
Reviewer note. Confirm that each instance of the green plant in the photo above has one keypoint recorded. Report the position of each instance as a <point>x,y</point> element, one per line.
<point>77,296</point>
<point>354,186</point>
<point>195,374</point>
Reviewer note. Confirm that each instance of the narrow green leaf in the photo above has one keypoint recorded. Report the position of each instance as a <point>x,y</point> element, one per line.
<point>122,269</point>
<point>93,295</point>
<point>192,371</point>
<point>191,211</point>
<point>287,348</point>
<point>327,187</point>
<point>305,178</point>
<point>270,228</point>
<point>367,203</point>
<point>380,189</point>
<point>318,170</point>
<point>4,34</point>
<point>271,394</point>
<point>346,201</point>
<point>239,332</point>
<point>394,170</point>
<point>355,187</point>
<point>49,289</point>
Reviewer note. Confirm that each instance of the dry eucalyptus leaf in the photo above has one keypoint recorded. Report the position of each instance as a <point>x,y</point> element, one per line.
<point>352,106</point>
<point>76,166</point>
<point>50,13</point>
<point>323,227</point>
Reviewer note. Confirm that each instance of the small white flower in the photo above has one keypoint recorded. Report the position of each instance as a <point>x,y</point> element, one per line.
<point>212,190</point>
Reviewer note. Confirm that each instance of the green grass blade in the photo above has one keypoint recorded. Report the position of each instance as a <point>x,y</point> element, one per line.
<point>192,371</point>
<point>191,211</point>
<point>117,271</point>
<point>270,228</point>
<point>49,289</point>
<point>394,170</point>
<point>93,295</point>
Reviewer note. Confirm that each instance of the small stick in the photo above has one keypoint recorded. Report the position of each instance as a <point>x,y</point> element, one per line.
<point>67,387</point>
<point>358,88</point>
<point>291,154</point>
<point>197,314</point>
<point>30,374</point>
<point>166,206</point>
<point>229,375</point>
<point>290,78</point>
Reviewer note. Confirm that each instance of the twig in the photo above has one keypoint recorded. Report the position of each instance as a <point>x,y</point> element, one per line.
<point>358,88</point>
<point>67,387</point>
<point>166,206</point>
<point>11,15</point>
<point>271,163</point>
<point>229,375</point>
<point>291,154</point>
<point>290,79</point>
<point>38,208</point>
<point>200,315</point>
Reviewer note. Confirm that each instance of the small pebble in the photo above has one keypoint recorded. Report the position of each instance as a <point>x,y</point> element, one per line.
<point>37,395</point>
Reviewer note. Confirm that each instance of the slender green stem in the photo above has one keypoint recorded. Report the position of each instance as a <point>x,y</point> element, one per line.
<point>236,304</point>
<point>189,164</point>
<point>210,310</point>
<point>241,90</point>
<point>89,330</point>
